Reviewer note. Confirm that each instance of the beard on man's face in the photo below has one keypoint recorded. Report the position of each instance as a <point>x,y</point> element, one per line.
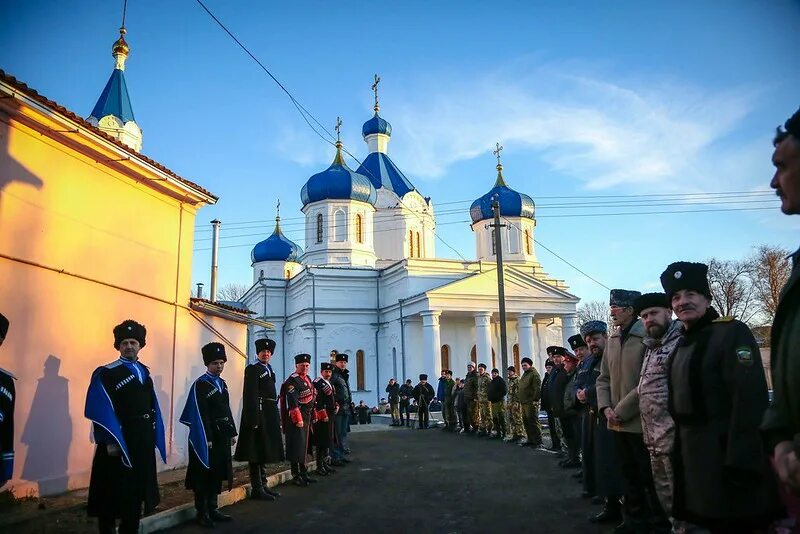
<point>656,330</point>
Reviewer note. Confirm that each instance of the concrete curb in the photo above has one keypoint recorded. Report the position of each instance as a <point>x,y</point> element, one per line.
<point>185,512</point>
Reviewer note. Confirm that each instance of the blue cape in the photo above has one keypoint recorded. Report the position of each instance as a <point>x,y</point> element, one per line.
<point>100,411</point>
<point>191,417</point>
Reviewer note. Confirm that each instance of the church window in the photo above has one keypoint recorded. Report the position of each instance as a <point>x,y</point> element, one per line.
<point>473,355</point>
<point>515,352</point>
<point>359,229</point>
<point>527,241</point>
<point>418,253</point>
<point>494,359</point>
<point>445,356</point>
<point>513,240</point>
<point>411,243</point>
<point>360,382</point>
<point>339,226</point>
<point>288,274</point>
<point>319,228</point>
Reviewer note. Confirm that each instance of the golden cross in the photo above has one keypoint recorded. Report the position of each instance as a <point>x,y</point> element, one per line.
<point>338,128</point>
<point>497,151</point>
<point>279,208</point>
<point>375,90</point>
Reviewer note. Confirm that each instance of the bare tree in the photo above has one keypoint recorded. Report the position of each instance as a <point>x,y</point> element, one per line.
<point>732,290</point>
<point>233,291</point>
<point>593,310</point>
<point>769,269</point>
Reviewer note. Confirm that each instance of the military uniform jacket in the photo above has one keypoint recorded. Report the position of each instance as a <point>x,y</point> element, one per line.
<point>393,392</point>
<point>325,413</point>
<point>297,404</point>
<point>717,397</point>
<point>448,390</point>
<point>471,386</point>
<point>340,379</point>
<point>423,394</point>
<point>513,389</point>
<point>208,415</point>
<point>123,407</point>
<point>260,438</point>
<point>482,388</point>
<point>658,428</point>
<point>530,386</point>
<point>7,401</point>
<point>619,375</point>
<point>782,419</point>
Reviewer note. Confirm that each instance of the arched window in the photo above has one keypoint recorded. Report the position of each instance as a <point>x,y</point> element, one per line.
<point>494,360</point>
<point>445,357</point>
<point>411,243</point>
<point>527,241</point>
<point>494,244</point>
<point>360,382</point>
<point>513,240</point>
<point>473,355</point>
<point>418,246</point>
<point>339,226</point>
<point>288,274</point>
<point>319,228</point>
<point>515,352</point>
<point>359,229</point>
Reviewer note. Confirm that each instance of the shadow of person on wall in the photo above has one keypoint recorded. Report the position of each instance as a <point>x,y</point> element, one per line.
<point>48,432</point>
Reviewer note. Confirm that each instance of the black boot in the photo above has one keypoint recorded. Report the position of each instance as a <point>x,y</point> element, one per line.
<point>304,475</point>
<point>320,470</point>
<point>213,511</point>
<point>201,505</point>
<point>263,471</point>
<point>611,512</point>
<point>257,485</point>
<point>327,463</point>
<point>297,479</point>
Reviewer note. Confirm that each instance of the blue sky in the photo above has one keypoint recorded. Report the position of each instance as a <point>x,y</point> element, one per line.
<point>589,99</point>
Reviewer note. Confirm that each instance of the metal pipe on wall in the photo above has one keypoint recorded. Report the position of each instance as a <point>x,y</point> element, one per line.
<point>214,253</point>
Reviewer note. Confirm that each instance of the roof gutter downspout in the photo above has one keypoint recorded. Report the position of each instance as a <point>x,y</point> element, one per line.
<point>314,314</point>
<point>377,330</point>
<point>402,341</point>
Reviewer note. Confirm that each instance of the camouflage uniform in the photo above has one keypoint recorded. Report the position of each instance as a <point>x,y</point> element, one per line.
<point>514,413</point>
<point>484,406</point>
<point>657,424</point>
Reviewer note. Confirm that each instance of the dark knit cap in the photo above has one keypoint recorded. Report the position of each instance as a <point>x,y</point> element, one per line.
<point>423,377</point>
<point>651,300</point>
<point>527,360</point>
<point>482,365</point>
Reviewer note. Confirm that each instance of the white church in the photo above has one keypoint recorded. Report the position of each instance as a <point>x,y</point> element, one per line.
<point>369,284</point>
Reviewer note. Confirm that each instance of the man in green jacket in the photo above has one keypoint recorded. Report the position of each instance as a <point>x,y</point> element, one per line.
<point>449,401</point>
<point>470,394</point>
<point>530,394</point>
<point>781,423</point>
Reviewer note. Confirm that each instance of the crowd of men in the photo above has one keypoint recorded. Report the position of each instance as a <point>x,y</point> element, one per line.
<point>667,415</point>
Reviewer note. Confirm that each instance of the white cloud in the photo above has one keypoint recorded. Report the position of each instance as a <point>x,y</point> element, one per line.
<point>605,133</point>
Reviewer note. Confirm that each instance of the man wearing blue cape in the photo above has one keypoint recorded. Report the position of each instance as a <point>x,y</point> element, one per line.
<point>7,400</point>
<point>127,426</point>
<point>212,432</point>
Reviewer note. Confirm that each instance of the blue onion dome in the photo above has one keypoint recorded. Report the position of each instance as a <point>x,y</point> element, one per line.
<point>512,204</point>
<point>338,182</point>
<point>376,125</point>
<point>276,247</point>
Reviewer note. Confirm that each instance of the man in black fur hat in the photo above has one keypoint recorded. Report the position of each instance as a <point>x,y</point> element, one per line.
<point>7,401</point>
<point>326,415</point>
<point>340,379</point>
<point>260,441</point>
<point>212,433</point>
<point>127,428</point>
<point>717,398</point>
<point>423,394</point>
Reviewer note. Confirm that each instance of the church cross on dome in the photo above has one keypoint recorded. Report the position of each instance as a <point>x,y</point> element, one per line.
<point>338,129</point>
<point>278,209</point>
<point>375,90</point>
<point>500,180</point>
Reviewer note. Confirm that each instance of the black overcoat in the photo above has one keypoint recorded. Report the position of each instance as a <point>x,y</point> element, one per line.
<point>215,412</point>
<point>297,403</point>
<point>260,439</point>
<point>326,411</point>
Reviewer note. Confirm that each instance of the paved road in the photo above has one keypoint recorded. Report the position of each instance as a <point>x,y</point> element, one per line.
<point>425,481</point>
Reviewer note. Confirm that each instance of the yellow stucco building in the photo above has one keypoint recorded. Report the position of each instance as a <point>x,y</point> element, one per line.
<point>91,233</point>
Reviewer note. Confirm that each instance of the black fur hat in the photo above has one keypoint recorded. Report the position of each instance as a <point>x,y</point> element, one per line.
<point>129,329</point>
<point>214,351</point>
<point>265,344</point>
<point>622,298</point>
<point>302,358</point>
<point>685,275</point>
<point>576,341</point>
<point>650,300</point>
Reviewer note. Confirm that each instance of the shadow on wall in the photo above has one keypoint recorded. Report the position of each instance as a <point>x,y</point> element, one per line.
<point>48,432</point>
<point>11,170</point>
